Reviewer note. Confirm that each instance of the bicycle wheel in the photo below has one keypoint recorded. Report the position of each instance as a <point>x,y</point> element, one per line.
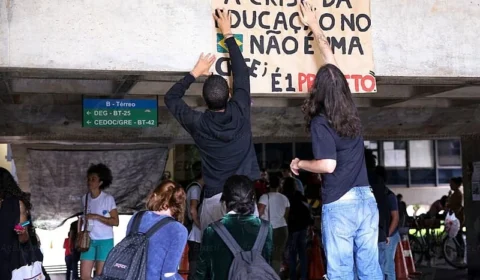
<point>417,248</point>
<point>452,252</point>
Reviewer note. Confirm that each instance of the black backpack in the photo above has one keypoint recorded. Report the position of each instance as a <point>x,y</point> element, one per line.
<point>247,264</point>
<point>128,260</point>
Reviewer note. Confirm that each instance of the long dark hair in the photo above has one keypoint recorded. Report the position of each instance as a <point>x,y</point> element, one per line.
<point>331,97</point>
<point>9,188</point>
<point>239,195</point>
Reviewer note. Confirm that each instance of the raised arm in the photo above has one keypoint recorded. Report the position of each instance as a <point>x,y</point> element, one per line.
<point>240,71</point>
<point>185,115</point>
<point>310,19</point>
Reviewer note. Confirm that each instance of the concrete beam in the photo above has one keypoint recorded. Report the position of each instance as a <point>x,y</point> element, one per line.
<point>95,35</point>
<point>423,102</point>
<point>61,86</point>
<point>23,122</point>
<point>124,86</point>
<point>5,89</point>
<point>417,92</point>
<point>466,92</point>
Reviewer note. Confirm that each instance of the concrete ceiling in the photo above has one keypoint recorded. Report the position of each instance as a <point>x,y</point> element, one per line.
<point>40,105</point>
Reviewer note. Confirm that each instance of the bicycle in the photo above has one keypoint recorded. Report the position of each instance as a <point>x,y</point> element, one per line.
<point>426,245</point>
<point>436,243</point>
<point>455,252</point>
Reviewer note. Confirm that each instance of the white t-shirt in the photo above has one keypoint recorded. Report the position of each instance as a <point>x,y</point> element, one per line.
<point>194,192</point>
<point>102,205</point>
<point>277,203</point>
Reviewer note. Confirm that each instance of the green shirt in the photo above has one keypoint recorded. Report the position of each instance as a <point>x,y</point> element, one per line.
<point>215,258</point>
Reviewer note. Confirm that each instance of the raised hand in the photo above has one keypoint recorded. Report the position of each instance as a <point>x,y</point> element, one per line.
<point>294,166</point>
<point>204,63</point>
<point>309,17</point>
<point>222,16</point>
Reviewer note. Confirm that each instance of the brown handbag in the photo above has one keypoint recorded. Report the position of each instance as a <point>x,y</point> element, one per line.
<point>83,238</point>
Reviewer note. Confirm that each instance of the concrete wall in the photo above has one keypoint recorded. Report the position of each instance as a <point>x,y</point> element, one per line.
<point>410,37</point>
<point>421,196</point>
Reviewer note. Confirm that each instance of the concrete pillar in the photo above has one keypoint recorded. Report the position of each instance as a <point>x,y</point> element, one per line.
<point>3,157</point>
<point>20,156</point>
<point>180,158</point>
<point>470,154</point>
<point>170,164</point>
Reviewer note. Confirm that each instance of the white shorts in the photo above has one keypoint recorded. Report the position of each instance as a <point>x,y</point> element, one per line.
<point>213,210</point>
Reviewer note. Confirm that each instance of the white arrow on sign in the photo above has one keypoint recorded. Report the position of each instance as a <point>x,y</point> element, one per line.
<point>89,122</point>
<point>88,113</point>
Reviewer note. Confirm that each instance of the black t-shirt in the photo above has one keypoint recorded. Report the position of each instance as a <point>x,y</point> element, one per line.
<point>348,152</point>
<point>380,192</point>
<point>299,216</point>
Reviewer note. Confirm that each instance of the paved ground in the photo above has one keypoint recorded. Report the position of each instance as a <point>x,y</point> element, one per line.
<point>434,273</point>
<point>442,271</point>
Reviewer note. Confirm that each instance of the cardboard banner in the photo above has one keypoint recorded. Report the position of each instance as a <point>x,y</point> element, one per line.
<point>281,52</point>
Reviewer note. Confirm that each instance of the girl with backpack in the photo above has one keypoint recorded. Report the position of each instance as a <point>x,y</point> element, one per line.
<point>239,246</point>
<point>165,246</point>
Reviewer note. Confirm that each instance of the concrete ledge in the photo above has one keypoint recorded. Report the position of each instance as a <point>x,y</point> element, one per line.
<point>410,38</point>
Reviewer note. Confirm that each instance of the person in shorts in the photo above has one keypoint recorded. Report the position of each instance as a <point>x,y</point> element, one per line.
<point>102,216</point>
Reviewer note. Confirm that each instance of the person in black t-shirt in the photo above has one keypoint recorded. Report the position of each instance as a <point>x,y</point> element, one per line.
<point>14,207</point>
<point>349,215</point>
<point>299,219</point>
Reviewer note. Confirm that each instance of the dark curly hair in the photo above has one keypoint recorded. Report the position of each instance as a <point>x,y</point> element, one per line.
<point>104,174</point>
<point>197,170</point>
<point>168,195</point>
<point>9,188</point>
<point>239,195</point>
<point>274,182</point>
<point>331,97</point>
<point>215,92</point>
<point>457,180</point>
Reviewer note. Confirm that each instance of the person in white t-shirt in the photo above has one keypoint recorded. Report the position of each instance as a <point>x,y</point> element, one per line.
<point>194,191</point>
<point>274,207</point>
<point>102,216</point>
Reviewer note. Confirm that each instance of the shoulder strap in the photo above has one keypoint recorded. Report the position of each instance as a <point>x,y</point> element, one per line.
<point>85,224</point>
<point>191,185</point>
<point>158,226</point>
<point>262,236</point>
<point>227,238</point>
<point>86,203</point>
<point>269,217</point>
<point>136,222</point>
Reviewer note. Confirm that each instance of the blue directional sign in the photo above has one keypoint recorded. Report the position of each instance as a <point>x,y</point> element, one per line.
<point>120,113</point>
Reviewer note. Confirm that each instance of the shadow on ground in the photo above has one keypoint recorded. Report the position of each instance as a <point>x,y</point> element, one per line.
<point>433,273</point>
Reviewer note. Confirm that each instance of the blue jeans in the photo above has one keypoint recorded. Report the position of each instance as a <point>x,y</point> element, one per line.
<point>350,236</point>
<point>388,263</point>
<point>297,247</point>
